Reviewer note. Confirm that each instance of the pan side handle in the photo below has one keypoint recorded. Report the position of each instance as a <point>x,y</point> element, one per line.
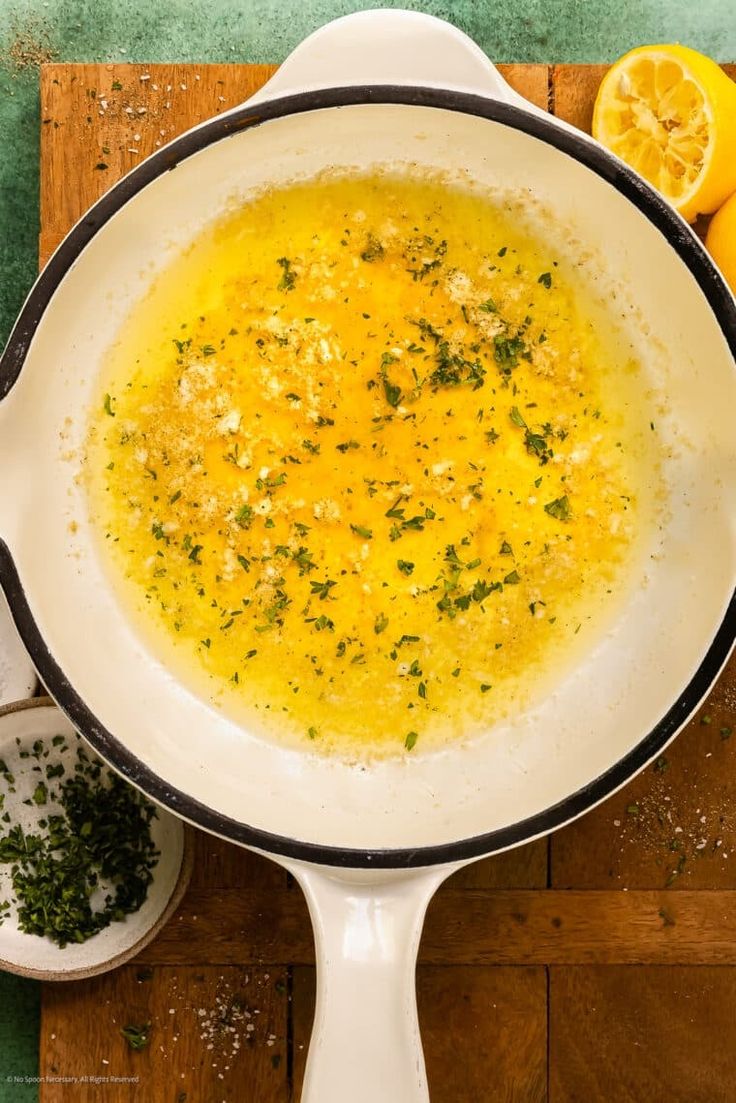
<point>365,1042</point>
<point>389,46</point>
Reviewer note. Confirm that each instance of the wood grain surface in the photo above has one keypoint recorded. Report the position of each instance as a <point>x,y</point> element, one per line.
<point>484,1032</point>
<point>210,1029</point>
<point>626,1035</point>
<point>598,967</point>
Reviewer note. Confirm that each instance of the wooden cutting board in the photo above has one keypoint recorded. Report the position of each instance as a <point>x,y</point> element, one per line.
<point>595,967</point>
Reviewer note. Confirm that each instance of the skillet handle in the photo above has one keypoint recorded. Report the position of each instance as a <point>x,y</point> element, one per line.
<point>389,47</point>
<point>365,1044</point>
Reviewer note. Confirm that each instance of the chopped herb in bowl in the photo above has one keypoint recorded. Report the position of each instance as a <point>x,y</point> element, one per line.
<point>86,858</point>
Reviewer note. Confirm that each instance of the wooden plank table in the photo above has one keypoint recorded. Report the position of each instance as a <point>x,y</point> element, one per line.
<point>595,967</point>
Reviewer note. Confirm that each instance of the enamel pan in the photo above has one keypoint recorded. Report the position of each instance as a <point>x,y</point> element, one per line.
<point>370,844</point>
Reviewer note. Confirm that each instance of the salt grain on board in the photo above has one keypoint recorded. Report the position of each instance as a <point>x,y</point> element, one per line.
<point>664,825</point>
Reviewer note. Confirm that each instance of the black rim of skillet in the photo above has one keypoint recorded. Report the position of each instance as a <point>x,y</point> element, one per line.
<point>576,146</point>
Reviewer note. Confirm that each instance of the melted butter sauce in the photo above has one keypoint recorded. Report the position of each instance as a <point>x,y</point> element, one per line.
<point>368,465</point>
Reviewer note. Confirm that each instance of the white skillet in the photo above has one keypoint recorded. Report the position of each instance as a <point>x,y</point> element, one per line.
<point>370,845</point>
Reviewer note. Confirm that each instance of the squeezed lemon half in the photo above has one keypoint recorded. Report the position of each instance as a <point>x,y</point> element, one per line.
<point>670,113</point>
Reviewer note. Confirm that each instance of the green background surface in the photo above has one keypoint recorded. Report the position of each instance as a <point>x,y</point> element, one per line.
<point>257,30</point>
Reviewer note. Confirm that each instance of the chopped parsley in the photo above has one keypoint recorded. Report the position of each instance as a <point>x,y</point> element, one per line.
<point>101,836</point>
<point>507,351</point>
<point>322,589</point>
<point>373,251</point>
<point>391,391</point>
<point>380,624</point>
<point>559,508</point>
<point>288,275</point>
<point>137,1036</point>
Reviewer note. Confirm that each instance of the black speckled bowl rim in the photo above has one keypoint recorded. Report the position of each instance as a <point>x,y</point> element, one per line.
<point>106,743</point>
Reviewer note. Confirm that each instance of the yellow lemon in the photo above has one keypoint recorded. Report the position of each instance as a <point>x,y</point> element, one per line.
<point>670,113</point>
<point>721,241</point>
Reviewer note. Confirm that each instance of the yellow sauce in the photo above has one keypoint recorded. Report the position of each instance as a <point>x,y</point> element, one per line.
<point>366,460</point>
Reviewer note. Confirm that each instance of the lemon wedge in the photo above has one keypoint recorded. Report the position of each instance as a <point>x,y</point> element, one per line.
<point>670,113</point>
<point>721,241</point>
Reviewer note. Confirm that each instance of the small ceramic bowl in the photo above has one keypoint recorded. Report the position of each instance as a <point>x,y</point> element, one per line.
<point>21,725</point>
